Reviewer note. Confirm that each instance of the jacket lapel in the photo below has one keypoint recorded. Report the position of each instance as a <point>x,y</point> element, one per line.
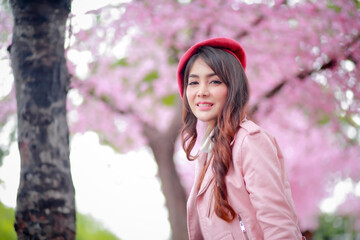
<point>209,176</point>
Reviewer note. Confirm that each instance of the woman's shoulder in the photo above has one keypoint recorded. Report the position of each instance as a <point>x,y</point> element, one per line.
<point>249,126</point>
<point>248,129</point>
<point>253,139</point>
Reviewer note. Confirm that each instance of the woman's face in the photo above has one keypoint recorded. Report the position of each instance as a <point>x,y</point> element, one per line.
<point>205,92</point>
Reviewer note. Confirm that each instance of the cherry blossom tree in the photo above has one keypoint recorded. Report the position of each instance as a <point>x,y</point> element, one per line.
<point>303,68</point>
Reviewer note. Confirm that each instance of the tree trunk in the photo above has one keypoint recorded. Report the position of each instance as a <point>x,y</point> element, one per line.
<point>162,145</point>
<point>45,201</point>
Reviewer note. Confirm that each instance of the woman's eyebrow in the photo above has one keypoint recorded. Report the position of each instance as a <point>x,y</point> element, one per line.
<point>211,74</point>
<point>193,76</point>
<point>207,75</point>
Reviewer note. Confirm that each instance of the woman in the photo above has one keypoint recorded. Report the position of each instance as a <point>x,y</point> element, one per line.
<point>241,190</point>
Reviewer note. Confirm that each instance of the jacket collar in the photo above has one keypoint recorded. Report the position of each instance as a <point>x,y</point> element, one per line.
<point>206,143</point>
<point>209,175</point>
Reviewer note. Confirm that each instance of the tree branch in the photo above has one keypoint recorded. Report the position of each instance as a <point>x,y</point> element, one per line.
<point>332,63</point>
<point>278,87</point>
<point>255,23</point>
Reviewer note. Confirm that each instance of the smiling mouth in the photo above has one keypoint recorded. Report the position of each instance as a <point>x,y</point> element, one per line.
<point>204,105</point>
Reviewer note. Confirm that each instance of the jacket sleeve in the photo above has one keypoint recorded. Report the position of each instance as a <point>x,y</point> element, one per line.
<point>268,186</point>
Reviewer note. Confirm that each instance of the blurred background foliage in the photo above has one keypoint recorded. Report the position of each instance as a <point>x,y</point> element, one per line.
<point>331,227</point>
<point>87,227</point>
<point>335,227</point>
<point>7,218</point>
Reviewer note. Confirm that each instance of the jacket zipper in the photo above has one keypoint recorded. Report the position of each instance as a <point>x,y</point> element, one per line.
<point>242,226</point>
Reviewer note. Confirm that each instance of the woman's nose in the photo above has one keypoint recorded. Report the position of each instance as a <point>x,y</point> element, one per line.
<point>203,90</point>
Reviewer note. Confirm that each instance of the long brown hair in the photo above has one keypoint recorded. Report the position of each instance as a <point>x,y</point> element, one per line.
<point>230,71</point>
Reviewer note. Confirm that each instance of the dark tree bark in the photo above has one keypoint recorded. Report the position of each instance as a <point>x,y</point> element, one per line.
<point>162,145</point>
<point>45,201</point>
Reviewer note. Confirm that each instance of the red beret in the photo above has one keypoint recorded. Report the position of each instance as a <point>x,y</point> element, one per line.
<point>225,44</point>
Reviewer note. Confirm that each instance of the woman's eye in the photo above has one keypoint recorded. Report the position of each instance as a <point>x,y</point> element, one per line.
<point>216,81</point>
<point>192,83</point>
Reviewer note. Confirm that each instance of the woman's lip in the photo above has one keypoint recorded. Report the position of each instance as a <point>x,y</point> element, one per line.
<point>204,106</point>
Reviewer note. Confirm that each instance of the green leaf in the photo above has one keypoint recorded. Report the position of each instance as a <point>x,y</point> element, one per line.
<point>334,7</point>
<point>169,100</point>
<point>121,62</point>
<point>105,99</point>
<point>357,3</point>
<point>324,120</point>
<point>150,77</point>
<point>98,19</point>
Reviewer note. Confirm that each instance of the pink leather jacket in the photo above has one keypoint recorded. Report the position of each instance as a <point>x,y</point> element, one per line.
<point>258,190</point>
